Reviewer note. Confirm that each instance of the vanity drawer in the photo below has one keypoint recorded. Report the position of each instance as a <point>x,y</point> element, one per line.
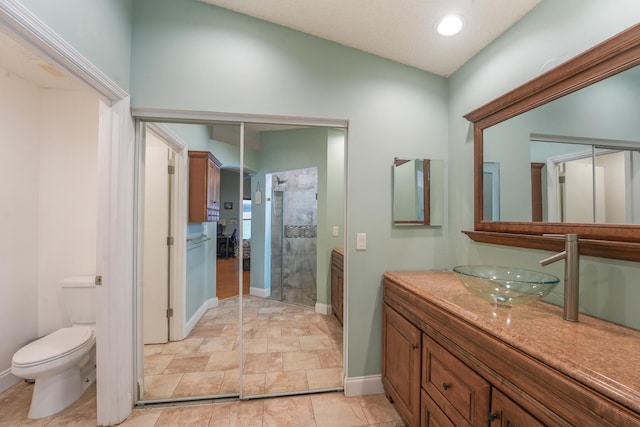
<point>461,393</point>
<point>431,415</point>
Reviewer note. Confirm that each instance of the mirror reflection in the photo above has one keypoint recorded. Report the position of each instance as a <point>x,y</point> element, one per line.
<point>572,160</point>
<point>417,192</point>
<point>273,217</point>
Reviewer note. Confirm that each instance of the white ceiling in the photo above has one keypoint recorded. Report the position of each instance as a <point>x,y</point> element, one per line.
<point>400,30</point>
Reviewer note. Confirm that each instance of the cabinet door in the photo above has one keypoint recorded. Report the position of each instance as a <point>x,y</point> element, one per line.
<point>213,186</point>
<point>401,364</point>
<point>336,291</point>
<point>506,413</point>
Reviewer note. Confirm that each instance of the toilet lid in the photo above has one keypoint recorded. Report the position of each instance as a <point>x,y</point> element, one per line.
<point>53,346</point>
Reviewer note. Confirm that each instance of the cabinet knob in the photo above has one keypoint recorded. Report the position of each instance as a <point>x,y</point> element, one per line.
<point>414,346</point>
<point>492,417</point>
<point>446,386</point>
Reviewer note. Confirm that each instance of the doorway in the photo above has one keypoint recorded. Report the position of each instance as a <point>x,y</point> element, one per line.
<point>246,344</point>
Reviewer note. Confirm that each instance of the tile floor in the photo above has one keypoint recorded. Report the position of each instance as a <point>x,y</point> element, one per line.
<point>325,409</point>
<point>286,348</point>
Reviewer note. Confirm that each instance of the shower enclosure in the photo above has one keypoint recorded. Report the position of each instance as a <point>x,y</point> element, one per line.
<point>293,224</point>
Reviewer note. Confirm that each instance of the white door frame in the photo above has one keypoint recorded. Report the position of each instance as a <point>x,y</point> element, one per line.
<point>114,299</point>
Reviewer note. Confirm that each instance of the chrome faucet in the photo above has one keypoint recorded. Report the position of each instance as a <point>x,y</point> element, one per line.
<point>571,258</point>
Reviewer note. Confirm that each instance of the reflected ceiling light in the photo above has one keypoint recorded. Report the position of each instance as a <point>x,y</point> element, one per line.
<point>449,25</point>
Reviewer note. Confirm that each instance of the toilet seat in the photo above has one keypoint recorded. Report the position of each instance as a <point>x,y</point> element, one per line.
<point>53,346</point>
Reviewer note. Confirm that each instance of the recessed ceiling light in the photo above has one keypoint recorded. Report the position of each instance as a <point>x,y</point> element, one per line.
<point>449,25</point>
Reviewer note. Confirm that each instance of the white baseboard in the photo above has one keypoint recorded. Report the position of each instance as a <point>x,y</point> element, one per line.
<point>260,292</point>
<point>323,308</point>
<point>210,303</point>
<point>7,379</point>
<point>362,386</point>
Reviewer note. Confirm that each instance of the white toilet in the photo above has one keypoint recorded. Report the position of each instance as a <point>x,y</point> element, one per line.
<point>63,362</point>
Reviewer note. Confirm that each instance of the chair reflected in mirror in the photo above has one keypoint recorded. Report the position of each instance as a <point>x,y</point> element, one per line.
<point>227,244</point>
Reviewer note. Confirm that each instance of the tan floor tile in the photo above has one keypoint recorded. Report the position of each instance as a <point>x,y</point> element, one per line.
<point>257,345</point>
<point>330,358</point>
<point>186,346</point>
<point>378,409</point>
<point>281,382</point>
<point>299,360</point>
<point>282,344</point>
<point>156,364</point>
<point>294,412</point>
<point>199,384</point>
<point>266,332</point>
<point>220,414</point>
<point>143,418</point>
<point>336,410</point>
<point>324,378</point>
<point>315,342</point>
<point>224,343</point>
<point>253,384</point>
<point>182,363</point>
<point>293,329</point>
<point>247,414</point>
<point>257,363</point>
<point>223,361</point>
<point>231,382</point>
<point>160,386</point>
<point>15,401</point>
<point>192,416</point>
<point>151,349</point>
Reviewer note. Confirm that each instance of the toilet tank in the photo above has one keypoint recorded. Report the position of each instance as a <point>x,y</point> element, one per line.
<point>79,298</point>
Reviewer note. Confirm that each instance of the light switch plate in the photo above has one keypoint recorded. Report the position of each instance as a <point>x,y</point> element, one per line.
<point>336,231</point>
<point>361,241</point>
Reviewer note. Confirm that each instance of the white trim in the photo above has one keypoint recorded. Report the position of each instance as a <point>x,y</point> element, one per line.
<point>115,299</point>
<point>190,116</point>
<point>362,386</point>
<point>35,32</point>
<point>323,308</point>
<point>259,292</point>
<point>7,379</point>
<point>193,321</point>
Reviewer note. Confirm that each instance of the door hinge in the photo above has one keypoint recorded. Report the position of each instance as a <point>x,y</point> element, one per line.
<point>171,169</point>
<point>169,241</point>
<point>98,281</point>
<point>169,312</point>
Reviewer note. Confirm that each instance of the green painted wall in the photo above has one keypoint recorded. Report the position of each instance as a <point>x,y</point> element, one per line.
<point>190,55</point>
<point>554,31</point>
<point>99,29</point>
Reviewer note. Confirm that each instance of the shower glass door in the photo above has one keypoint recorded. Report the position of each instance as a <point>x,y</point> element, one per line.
<point>294,209</point>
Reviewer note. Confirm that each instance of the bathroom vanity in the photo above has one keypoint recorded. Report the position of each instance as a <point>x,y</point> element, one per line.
<point>450,358</point>
<point>337,283</point>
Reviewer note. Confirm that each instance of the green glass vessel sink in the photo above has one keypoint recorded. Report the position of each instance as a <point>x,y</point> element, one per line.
<point>506,286</point>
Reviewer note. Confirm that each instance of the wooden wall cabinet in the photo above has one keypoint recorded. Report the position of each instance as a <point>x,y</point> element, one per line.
<point>204,187</point>
<point>440,370</point>
<point>337,283</point>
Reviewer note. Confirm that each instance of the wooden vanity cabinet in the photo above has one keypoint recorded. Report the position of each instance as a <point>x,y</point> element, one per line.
<point>204,187</point>
<point>401,347</point>
<point>464,376</point>
<point>337,284</point>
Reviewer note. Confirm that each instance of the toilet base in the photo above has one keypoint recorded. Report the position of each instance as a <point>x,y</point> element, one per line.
<point>55,393</point>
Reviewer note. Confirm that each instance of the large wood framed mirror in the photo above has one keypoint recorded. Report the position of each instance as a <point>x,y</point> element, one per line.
<point>540,136</point>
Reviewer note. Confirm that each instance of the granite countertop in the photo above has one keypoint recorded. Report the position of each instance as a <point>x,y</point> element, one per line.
<point>599,354</point>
